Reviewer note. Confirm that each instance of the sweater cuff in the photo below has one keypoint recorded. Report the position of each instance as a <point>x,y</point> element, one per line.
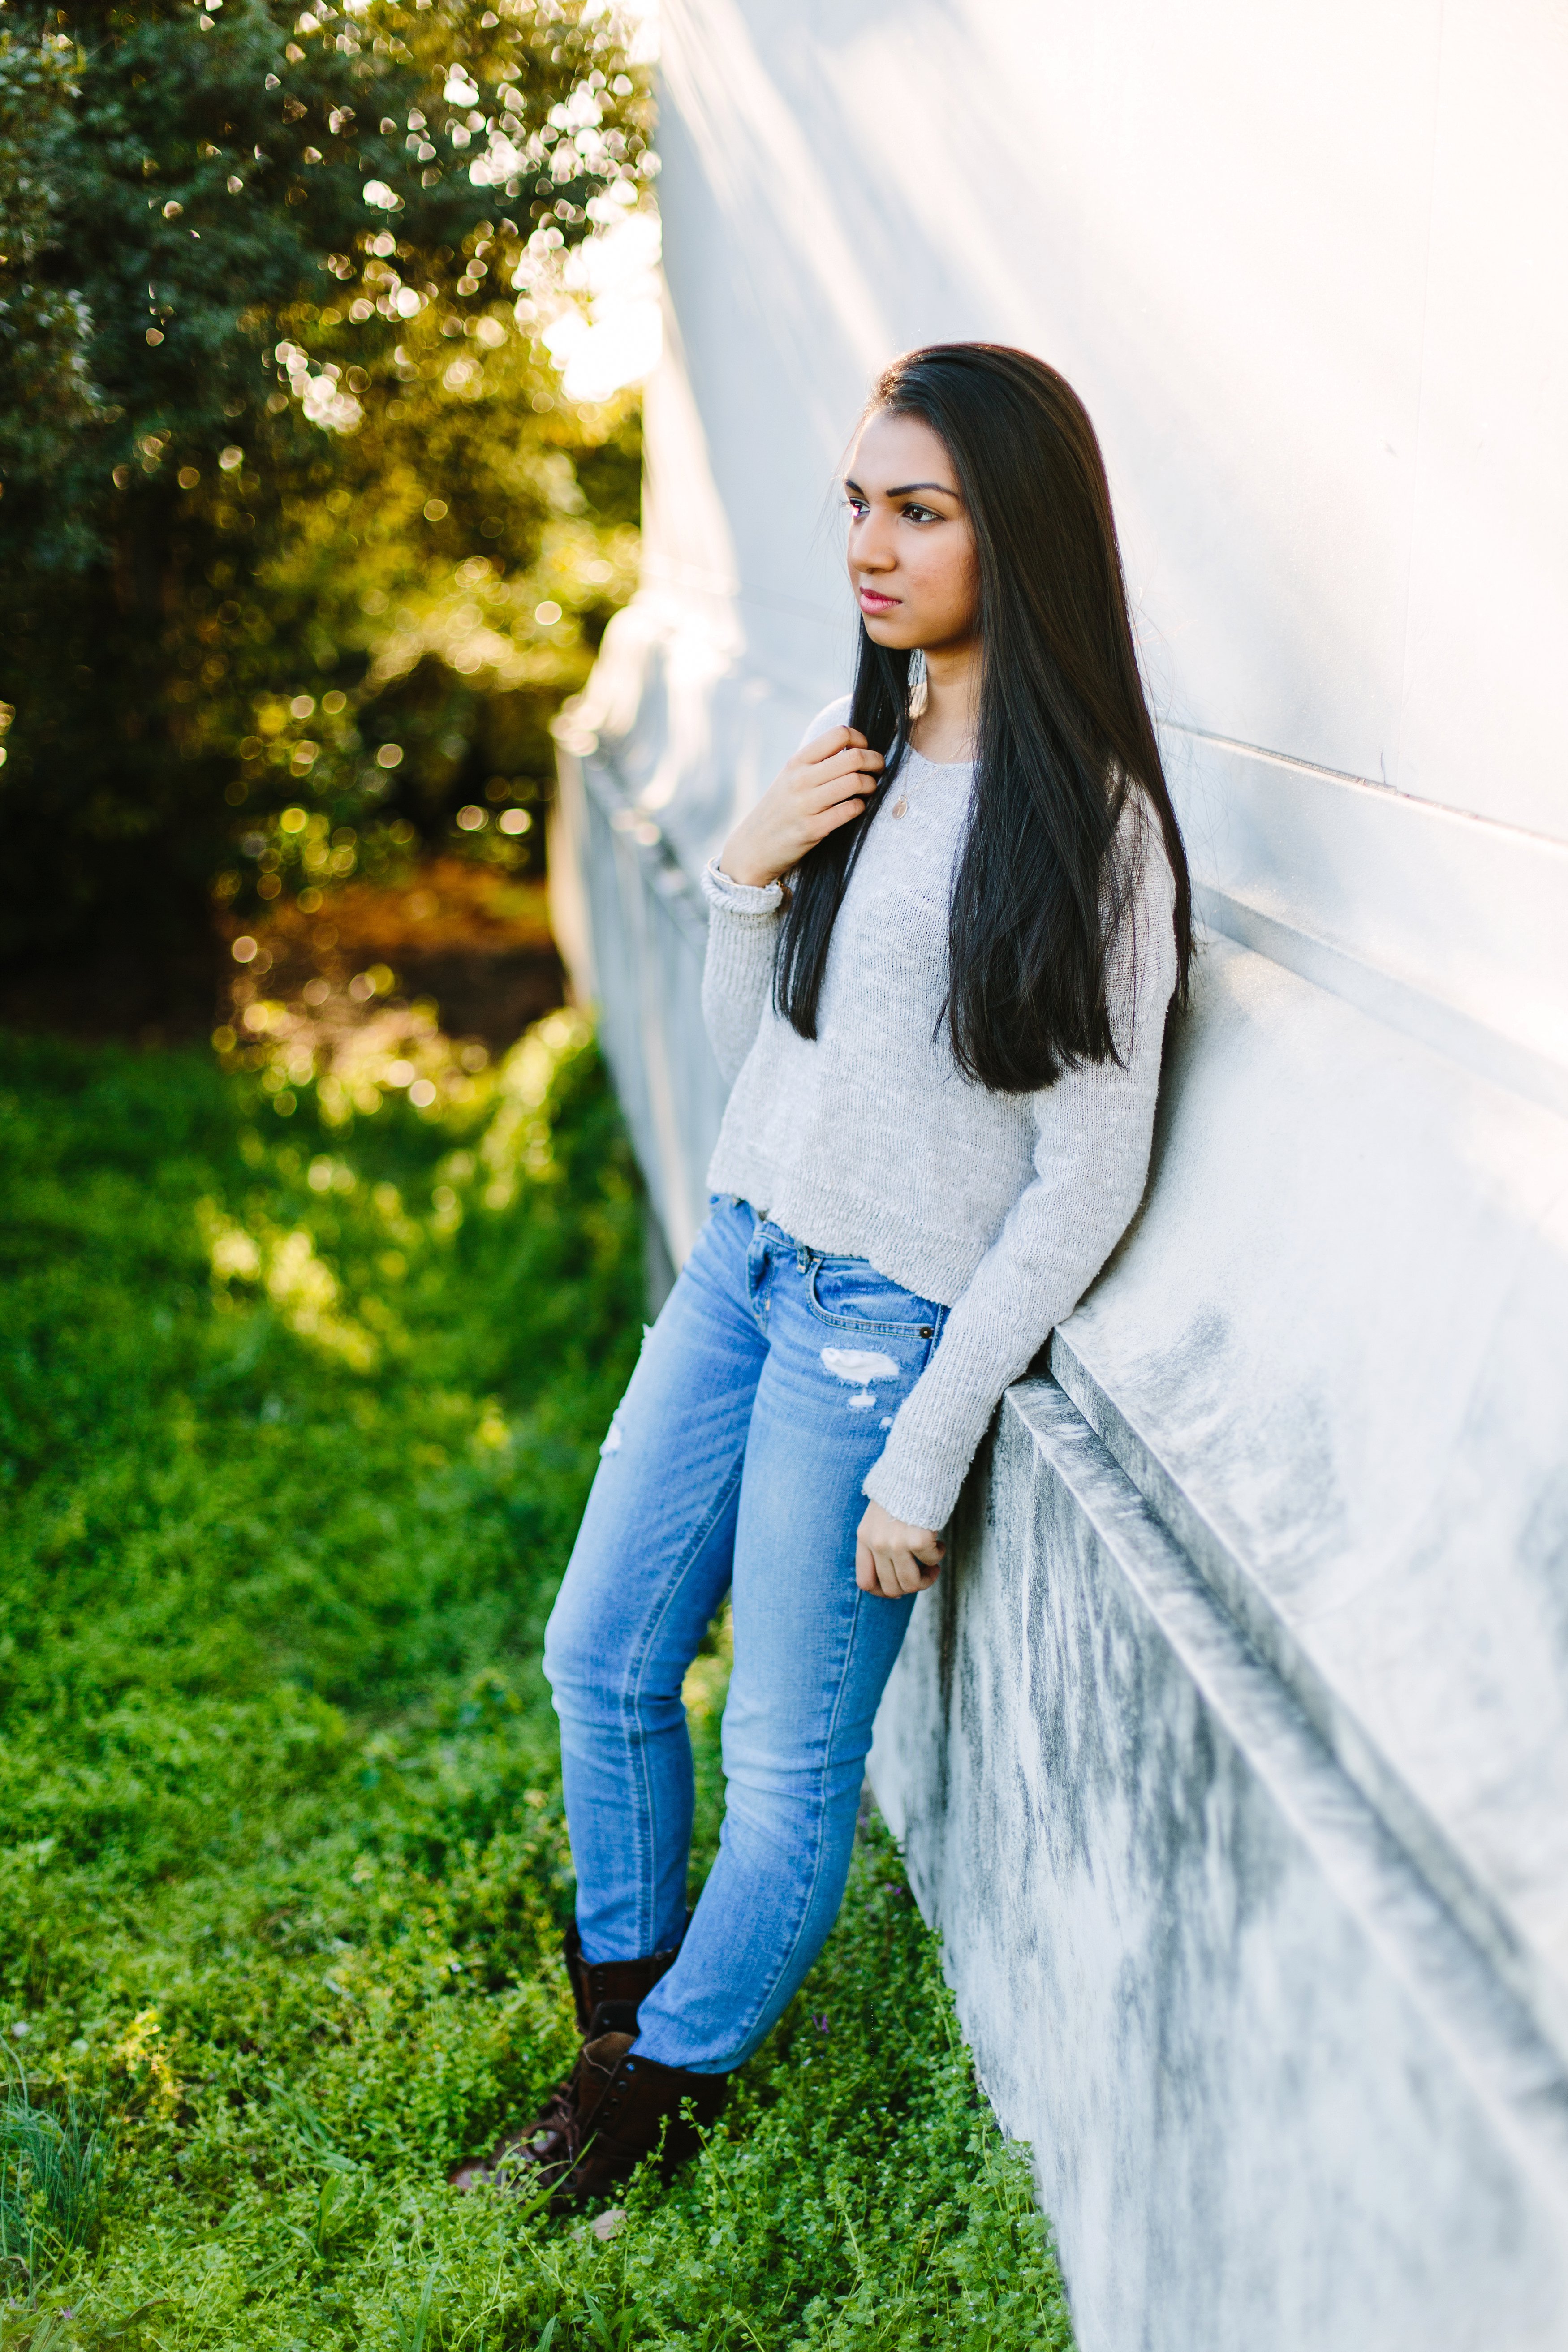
<point>740,897</point>
<point>919,1486</point>
<point>937,1431</point>
<point>920,1471</point>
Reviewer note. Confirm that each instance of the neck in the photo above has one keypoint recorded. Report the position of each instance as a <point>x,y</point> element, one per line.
<point>946,729</point>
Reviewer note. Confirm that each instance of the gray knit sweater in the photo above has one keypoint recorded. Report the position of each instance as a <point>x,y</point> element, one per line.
<point>869,1142</point>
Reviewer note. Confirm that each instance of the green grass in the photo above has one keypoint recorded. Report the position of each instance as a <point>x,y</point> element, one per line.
<point>295,1426</point>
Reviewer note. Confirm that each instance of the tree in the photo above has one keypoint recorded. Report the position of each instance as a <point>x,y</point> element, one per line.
<point>266,368</point>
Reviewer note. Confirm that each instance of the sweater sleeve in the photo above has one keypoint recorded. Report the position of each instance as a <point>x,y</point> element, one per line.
<point>738,975</point>
<point>743,931</point>
<point>1094,1129</point>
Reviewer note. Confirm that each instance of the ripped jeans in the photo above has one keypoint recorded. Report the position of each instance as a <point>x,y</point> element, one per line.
<point>760,1402</point>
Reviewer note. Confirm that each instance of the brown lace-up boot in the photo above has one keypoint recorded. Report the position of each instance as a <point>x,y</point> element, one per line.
<point>616,2109</point>
<point>606,1994</point>
<point>597,1983</point>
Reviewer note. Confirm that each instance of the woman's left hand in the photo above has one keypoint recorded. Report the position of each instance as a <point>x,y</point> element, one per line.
<point>891,1559</point>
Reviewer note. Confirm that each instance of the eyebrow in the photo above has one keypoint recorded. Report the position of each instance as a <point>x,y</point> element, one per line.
<point>902,489</point>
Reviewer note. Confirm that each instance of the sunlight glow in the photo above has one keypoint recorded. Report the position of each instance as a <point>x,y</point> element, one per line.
<point>611,336</point>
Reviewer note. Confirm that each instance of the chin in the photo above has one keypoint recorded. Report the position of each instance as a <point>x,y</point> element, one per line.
<point>898,636</point>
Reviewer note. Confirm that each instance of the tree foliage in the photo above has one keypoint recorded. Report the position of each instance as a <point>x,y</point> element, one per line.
<point>270,394</point>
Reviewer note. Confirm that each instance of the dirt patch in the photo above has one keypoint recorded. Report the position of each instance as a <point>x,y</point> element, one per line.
<point>414,987</point>
<point>471,944</point>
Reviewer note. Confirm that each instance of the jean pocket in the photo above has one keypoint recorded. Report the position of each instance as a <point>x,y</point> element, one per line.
<point>853,1297</point>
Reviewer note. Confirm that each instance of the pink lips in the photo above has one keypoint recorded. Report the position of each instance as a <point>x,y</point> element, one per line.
<point>871,603</point>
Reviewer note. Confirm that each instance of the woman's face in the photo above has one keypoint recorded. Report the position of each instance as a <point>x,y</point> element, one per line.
<point>911,551</point>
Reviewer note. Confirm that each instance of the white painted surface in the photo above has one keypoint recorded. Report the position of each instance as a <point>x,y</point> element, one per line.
<point>1275,2099</point>
<point>1336,1350</point>
<point>1305,268</point>
<point>1303,265</point>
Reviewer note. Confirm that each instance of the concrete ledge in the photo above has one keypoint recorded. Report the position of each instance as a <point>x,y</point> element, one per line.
<point>1332,1356</point>
<point>1276,2096</point>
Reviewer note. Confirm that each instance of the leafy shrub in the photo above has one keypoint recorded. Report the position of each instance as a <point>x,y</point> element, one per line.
<point>273,405</point>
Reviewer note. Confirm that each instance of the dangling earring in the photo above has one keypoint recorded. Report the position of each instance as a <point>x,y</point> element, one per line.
<point>916,682</point>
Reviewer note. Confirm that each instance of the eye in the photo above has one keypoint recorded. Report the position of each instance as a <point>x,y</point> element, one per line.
<point>913,513</point>
<point>858,506</point>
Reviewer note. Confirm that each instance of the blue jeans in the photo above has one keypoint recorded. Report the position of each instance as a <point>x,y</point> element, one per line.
<point>761,1400</point>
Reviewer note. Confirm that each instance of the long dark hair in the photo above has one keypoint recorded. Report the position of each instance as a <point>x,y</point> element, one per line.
<point>1040,892</point>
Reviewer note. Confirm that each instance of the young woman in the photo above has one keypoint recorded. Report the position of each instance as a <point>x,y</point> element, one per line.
<point>941,949</point>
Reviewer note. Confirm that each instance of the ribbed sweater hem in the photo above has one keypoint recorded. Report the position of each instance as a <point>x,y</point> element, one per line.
<point>830,1217</point>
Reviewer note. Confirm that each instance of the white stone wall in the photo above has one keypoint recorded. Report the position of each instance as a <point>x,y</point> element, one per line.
<point>1248,1829</point>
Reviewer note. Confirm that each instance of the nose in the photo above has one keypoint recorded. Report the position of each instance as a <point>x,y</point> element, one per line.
<point>870,544</point>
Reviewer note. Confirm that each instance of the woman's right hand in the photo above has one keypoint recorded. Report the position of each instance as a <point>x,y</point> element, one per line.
<point>827,783</point>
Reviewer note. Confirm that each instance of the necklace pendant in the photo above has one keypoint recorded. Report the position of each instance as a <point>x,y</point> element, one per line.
<point>900,805</point>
